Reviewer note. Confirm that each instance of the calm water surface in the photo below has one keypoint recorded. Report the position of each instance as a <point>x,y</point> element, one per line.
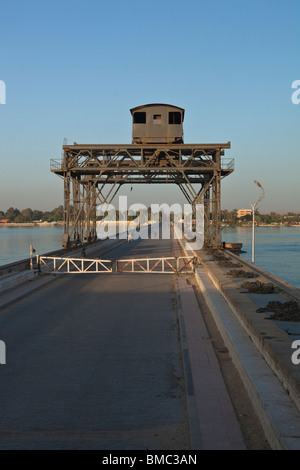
<point>15,241</point>
<point>277,249</point>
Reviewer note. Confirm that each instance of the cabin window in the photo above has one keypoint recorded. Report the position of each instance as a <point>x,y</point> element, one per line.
<point>174,117</point>
<point>139,118</point>
<point>156,118</point>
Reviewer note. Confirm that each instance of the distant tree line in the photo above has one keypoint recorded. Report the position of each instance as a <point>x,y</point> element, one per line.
<point>227,217</point>
<point>231,218</point>
<point>29,215</point>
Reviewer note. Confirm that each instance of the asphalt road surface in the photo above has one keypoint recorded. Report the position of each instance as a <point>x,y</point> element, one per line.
<point>94,362</point>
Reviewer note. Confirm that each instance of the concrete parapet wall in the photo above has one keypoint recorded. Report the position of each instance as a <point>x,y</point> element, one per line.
<point>260,350</point>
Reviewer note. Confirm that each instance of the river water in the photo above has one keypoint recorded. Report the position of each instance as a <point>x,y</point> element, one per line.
<point>15,241</point>
<point>277,249</point>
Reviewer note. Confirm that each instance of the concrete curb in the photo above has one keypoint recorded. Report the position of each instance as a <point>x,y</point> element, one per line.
<point>195,438</point>
<point>278,414</point>
<point>218,427</point>
<point>15,279</point>
<point>272,342</point>
<point>26,282</point>
<point>275,408</point>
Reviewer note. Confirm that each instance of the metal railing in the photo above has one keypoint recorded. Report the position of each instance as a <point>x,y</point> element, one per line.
<point>74,265</point>
<point>172,265</point>
<point>227,163</point>
<point>55,164</point>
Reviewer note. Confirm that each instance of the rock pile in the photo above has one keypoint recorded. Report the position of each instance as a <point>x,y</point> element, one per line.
<point>284,311</point>
<point>242,273</point>
<point>258,287</point>
<point>229,264</point>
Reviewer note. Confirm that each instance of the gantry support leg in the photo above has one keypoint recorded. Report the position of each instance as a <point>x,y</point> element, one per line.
<point>209,195</point>
<point>80,213</point>
<point>216,240</point>
<point>66,239</point>
<point>207,233</point>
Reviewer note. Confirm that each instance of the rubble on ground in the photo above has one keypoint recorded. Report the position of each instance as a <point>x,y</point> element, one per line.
<point>224,261</point>
<point>229,264</point>
<point>259,287</point>
<point>241,273</point>
<point>219,257</point>
<point>283,311</point>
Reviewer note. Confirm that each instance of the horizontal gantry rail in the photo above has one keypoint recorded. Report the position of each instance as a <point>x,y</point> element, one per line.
<point>92,159</point>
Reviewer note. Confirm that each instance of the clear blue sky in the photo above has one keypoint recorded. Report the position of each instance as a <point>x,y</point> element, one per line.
<point>73,69</point>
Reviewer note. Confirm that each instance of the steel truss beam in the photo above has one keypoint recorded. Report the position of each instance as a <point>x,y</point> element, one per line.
<point>93,174</point>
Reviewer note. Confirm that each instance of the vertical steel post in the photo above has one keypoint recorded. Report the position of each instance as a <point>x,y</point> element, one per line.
<point>207,233</point>
<point>66,238</point>
<point>253,230</point>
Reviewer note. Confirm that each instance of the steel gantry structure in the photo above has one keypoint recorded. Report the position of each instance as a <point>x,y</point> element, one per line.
<point>93,174</point>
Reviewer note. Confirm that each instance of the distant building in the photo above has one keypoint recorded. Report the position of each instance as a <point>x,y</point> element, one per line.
<point>4,221</point>
<point>243,213</point>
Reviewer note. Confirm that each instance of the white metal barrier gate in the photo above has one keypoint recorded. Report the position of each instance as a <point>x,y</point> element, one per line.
<point>171,265</point>
<point>74,265</point>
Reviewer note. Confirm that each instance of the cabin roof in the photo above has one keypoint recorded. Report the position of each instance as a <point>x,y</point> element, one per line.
<point>133,110</point>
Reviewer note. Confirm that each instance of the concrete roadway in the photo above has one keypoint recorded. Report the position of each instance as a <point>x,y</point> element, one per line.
<point>94,362</point>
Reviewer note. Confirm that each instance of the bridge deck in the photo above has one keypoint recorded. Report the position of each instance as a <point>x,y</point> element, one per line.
<point>94,362</point>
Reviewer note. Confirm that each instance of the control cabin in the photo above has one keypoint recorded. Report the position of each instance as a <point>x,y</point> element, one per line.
<point>157,123</point>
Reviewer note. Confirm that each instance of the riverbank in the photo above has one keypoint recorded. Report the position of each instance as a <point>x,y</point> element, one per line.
<point>277,249</point>
<point>261,225</point>
<point>16,240</point>
<point>32,224</point>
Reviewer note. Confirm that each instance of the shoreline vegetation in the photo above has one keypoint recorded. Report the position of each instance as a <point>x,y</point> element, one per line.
<point>13,217</point>
<point>272,219</point>
<point>32,224</point>
<point>60,224</point>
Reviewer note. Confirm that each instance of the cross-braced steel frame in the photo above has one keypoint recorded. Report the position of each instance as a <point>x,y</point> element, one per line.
<point>93,174</point>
